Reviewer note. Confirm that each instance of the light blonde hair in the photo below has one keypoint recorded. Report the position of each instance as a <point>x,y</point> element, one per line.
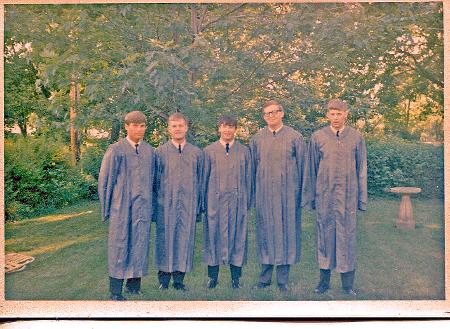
<point>272,102</point>
<point>178,116</point>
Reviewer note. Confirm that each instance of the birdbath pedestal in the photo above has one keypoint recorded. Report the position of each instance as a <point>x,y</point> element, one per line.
<point>405,214</point>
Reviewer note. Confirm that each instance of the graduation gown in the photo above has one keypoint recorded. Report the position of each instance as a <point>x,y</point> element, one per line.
<point>336,179</point>
<point>125,188</point>
<point>178,188</point>
<point>226,191</point>
<point>277,162</point>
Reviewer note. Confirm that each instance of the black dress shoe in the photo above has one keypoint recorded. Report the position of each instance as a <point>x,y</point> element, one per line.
<point>212,283</point>
<point>350,292</point>
<point>261,285</point>
<point>283,287</point>
<point>235,284</point>
<point>163,287</point>
<point>320,289</point>
<point>180,286</point>
<point>117,297</point>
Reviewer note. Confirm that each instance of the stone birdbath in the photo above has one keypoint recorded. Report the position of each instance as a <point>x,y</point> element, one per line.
<point>405,214</point>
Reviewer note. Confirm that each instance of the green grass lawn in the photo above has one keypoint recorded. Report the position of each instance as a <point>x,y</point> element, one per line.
<point>71,259</point>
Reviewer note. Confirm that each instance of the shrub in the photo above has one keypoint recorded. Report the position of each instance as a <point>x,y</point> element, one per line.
<point>91,159</point>
<point>395,162</point>
<point>39,177</point>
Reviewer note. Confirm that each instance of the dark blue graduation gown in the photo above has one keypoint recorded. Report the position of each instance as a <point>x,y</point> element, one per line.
<point>125,188</point>
<point>227,189</point>
<point>278,174</point>
<point>336,181</point>
<point>178,205</point>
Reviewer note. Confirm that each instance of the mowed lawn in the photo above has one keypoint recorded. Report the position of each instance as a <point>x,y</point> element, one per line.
<point>71,259</point>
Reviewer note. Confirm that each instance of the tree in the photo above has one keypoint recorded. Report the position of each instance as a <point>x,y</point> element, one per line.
<point>385,59</point>
<point>23,95</point>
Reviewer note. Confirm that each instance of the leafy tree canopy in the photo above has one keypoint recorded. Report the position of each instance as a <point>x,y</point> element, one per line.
<point>385,59</point>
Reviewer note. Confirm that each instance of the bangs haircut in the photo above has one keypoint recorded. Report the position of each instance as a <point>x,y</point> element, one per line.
<point>135,117</point>
<point>228,120</point>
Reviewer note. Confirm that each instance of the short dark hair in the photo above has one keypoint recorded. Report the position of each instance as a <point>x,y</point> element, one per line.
<point>135,117</point>
<point>272,102</point>
<point>177,116</point>
<point>228,120</point>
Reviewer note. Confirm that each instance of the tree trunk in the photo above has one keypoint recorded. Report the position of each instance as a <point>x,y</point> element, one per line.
<point>196,26</point>
<point>408,110</point>
<point>77,131</point>
<point>22,123</point>
<point>74,145</point>
<point>115,131</point>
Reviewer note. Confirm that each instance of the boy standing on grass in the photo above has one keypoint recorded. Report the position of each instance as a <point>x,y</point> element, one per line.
<point>178,190</point>
<point>226,192</point>
<point>125,189</point>
<point>336,177</point>
<point>278,153</point>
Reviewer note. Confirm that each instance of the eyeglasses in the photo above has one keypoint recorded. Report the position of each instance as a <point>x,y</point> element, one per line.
<point>272,113</point>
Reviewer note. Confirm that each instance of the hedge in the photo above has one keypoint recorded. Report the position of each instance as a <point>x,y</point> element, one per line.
<point>393,162</point>
<point>39,176</point>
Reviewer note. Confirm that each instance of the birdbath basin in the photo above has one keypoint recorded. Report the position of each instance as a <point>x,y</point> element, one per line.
<point>405,215</point>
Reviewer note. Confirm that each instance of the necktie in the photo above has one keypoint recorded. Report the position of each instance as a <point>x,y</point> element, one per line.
<point>136,145</point>
<point>274,132</point>
<point>179,148</point>
<point>227,147</point>
<point>337,133</point>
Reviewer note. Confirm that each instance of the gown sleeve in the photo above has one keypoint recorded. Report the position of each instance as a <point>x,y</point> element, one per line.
<point>300,157</point>
<point>310,174</point>
<point>205,179</point>
<point>361,171</point>
<point>249,178</point>
<point>200,166</point>
<point>253,167</point>
<point>156,184</point>
<point>106,181</point>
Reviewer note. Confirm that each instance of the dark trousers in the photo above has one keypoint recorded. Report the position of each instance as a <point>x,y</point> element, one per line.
<point>325,276</point>
<point>115,285</point>
<point>164,277</point>
<point>282,273</point>
<point>347,279</point>
<point>236,272</point>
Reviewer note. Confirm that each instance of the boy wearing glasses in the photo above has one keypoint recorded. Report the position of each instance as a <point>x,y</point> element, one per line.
<point>278,153</point>
<point>336,177</point>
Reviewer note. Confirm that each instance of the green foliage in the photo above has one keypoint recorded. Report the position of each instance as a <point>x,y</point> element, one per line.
<point>23,94</point>
<point>208,59</point>
<point>395,162</point>
<point>205,60</point>
<point>91,159</point>
<point>39,177</point>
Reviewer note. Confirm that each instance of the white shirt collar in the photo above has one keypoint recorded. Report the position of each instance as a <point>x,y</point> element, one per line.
<point>276,131</point>
<point>224,144</point>
<point>334,130</point>
<point>177,144</point>
<point>133,143</point>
